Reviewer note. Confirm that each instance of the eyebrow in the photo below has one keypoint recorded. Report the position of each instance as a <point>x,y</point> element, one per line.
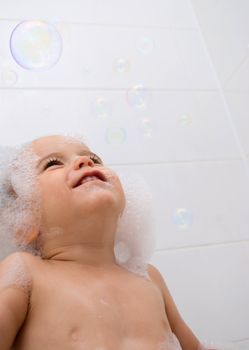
<point>59,154</point>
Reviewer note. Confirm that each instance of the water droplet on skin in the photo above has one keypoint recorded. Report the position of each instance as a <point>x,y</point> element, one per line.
<point>103,302</point>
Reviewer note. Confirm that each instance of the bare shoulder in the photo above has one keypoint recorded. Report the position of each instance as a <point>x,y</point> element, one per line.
<point>187,338</point>
<point>16,271</point>
<point>157,278</point>
<point>170,306</point>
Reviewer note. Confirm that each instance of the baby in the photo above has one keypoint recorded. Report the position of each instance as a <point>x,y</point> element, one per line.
<point>67,291</point>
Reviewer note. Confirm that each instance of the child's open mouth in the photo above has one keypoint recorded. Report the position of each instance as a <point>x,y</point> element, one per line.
<point>90,176</point>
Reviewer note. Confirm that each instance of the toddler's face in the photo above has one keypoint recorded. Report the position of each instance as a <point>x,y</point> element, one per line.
<point>64,163</point>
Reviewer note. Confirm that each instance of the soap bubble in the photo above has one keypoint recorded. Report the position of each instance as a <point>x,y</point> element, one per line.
<point>35,45</point>
<point>185,119</point>
<point>115,135</point>
<point>145,45</point>
<point>146,128</point>
<point>183,218</point>
<point>101,108</point>
<point>121,65</point>
<point>139,97</point>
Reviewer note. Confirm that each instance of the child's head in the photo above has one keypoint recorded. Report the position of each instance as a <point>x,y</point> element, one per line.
<point>42,199</point>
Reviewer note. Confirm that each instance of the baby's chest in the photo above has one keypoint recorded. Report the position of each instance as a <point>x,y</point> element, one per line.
<point>132,307</point>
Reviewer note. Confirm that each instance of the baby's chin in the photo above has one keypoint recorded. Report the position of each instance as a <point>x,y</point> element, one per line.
<point>103,197</point>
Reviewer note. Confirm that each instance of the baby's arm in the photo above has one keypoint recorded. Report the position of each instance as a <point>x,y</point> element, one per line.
<point>14,297</point>
<point>184,334</point>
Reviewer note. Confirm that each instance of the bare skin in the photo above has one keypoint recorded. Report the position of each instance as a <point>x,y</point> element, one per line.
<point>78,298</point>
<point>74,306</point>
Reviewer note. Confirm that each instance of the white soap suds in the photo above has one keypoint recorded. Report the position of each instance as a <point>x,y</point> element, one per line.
<point>19,199</point>
<point>135,241</point>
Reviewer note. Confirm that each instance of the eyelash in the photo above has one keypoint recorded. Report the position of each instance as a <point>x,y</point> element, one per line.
<point>54,160</point>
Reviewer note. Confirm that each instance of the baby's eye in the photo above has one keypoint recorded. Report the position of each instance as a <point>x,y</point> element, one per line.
<point>51,162</point>
<point>95,159</point>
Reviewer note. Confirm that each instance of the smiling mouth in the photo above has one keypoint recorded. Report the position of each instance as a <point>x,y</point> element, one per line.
<point>88,179</point>
<point>91,176</point>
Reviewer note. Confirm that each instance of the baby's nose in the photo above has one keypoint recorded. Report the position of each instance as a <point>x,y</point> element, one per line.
<point>83,161</point>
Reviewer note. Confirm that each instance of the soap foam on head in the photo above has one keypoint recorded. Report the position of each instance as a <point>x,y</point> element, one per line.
<point>134,241</point>
<point>19,198</point>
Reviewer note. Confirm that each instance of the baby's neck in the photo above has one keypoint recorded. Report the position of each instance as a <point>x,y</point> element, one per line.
<point>95,256</point>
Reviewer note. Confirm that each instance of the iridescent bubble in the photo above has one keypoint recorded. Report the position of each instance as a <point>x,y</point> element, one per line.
<point>146,127</point>
<point>145,45</point>
<point>35,45</point>
<point>101,108</point>
<point>182,218</point>
<point>115,135</point>
<point>9,77</point>
<point>185,119</point>
<point>121,65</point>
<point>139,97</point>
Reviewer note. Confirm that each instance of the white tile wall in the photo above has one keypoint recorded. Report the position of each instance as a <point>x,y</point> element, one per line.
<point>128,13</point>
<point>180,141</point>
<point>225,27</point>
<point>206,285</point>
<point>87,65</point>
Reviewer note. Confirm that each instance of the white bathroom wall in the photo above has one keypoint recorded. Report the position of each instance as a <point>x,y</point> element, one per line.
<point>176,133</point>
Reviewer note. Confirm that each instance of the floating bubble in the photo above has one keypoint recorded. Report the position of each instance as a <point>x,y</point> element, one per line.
<point>145,45</point>
<point>101,108</point>
<point>115,135</point>
<point>121,65</point>
<point>35,45</point>
<point>146,128</point>
<point>139,97</point>
<point>185,119</point>
<point>182,218</point>
<point>9,77</point>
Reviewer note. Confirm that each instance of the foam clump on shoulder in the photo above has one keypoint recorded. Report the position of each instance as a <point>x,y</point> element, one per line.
<point>135,241</point>
<point>14,273</point>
